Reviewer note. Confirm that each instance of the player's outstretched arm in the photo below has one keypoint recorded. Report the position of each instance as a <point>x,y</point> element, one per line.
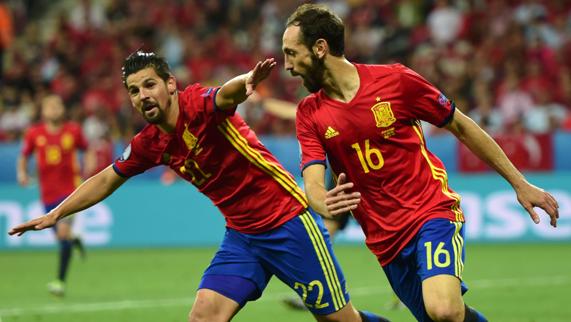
<point>334,202</point>
<point>86,195</point>
<point>236,90</point>
<point>479,142</point>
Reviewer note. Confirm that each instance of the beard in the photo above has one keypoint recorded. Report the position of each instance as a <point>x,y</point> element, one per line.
<point>312,81</point>
<point>158,115</point>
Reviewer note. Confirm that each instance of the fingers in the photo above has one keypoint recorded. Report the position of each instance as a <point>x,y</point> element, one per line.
<point>20,230</point>
<point>553,203</point>
<point>35,224</point>
<point>551,207</point>
<point>263,68</point>
<point>534,216</point>
<point>340,189</point>
<point>341,179</point>
<point>268,64</point>
<point>339,200</point>
<point>342,203</point>
<point>259,73</point>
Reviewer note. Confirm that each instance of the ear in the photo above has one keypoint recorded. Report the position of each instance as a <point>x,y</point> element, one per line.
<point>320,48</point>
<point>171,85</point>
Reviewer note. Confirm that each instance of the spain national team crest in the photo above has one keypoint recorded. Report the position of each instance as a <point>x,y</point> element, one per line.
<point>383,113</point>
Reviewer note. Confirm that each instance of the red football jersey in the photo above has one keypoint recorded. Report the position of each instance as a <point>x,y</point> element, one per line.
<point>377,140</point>
<point>218,153</point>
<point>56,157</point>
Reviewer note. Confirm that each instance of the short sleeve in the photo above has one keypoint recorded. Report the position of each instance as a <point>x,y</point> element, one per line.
<point>424,101</point>
<point>311,148</point>
<point>28,144</point>
<point>134,160</point>
<point>203,99</point>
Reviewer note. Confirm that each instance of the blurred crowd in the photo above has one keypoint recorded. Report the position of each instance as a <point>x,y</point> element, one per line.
<point>505,63</point>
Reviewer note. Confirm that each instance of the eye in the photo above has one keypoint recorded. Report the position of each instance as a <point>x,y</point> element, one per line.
<point>133,91</point>
<point>289,52</point>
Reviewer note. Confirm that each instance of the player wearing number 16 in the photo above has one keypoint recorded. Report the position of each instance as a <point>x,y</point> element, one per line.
<point>365,119</point>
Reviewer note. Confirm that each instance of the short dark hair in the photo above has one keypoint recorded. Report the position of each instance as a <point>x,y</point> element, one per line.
<point>139,60</point>
<point>318,21</point>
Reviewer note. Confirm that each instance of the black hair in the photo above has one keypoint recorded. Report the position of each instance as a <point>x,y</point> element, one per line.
<point>317,21</point>
<point>139,60</point>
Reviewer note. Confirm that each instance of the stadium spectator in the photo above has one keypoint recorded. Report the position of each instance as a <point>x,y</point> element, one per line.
<point>6,34</point>
<point>546,115</point>
<point>513,102</point>
<point>270,230</point>
<point>68,47</point>
<point>365,120</point>
<point>55,144</point>
<point>445,23</point>
<point>75,52</point>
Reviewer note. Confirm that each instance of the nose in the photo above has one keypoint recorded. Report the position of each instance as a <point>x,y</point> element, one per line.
<point>143,95</point>
<point>287,65</point>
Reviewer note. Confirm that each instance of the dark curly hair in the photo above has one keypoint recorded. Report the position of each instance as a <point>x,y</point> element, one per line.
<point>317,21</point>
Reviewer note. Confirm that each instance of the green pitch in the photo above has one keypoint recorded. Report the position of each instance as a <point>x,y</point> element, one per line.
<point>508,283</point>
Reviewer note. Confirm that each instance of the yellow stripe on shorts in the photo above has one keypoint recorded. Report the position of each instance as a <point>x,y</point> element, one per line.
<point>325,260</point>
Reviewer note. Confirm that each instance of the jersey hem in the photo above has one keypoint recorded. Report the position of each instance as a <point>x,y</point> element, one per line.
<point>270,226</point>
<point>449,117</point>
<point>378,249</point>
<point>312,163</point>
<point>119,172</point>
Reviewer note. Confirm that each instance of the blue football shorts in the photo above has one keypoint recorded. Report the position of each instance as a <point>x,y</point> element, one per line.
<point>298,253</point>
<point>438,248</point>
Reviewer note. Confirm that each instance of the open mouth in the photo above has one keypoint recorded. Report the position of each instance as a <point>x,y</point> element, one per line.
<point>149,107</point>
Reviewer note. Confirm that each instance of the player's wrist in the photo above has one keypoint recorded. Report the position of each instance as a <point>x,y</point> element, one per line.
<point>55,215</point>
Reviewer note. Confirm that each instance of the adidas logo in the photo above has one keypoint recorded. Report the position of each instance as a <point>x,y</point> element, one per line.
<point>331,132</point>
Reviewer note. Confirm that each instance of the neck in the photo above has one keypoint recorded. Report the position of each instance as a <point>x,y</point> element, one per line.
<point>341,79</point>
<point>172,116</point>
<point>53,126</point>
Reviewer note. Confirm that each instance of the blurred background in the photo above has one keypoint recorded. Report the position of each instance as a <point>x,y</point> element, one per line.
<point>507,64</point>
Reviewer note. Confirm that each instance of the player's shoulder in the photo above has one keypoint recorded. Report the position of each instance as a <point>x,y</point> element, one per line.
<point>148,136</point>
<point>148,143</point>
<point>72,126</point>
<point>188,90</point>
<point>196,89</point>
<point>36,128</point>
<point>384,70</point>
<point>191,96</point>
<point>308,104</point>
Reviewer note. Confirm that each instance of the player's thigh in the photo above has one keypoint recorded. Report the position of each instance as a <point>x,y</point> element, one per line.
<point>235,271</point>
<point>210,306</point>
<point>299,253</point>
<point>442,295</point>
<point>440,258</point>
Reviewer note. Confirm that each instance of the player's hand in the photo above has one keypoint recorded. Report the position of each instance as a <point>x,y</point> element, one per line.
<point>340,200</point>
<point>39,223</point>
<point>258,74</point>
<point>531,196</point>
<point>23,179</point>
